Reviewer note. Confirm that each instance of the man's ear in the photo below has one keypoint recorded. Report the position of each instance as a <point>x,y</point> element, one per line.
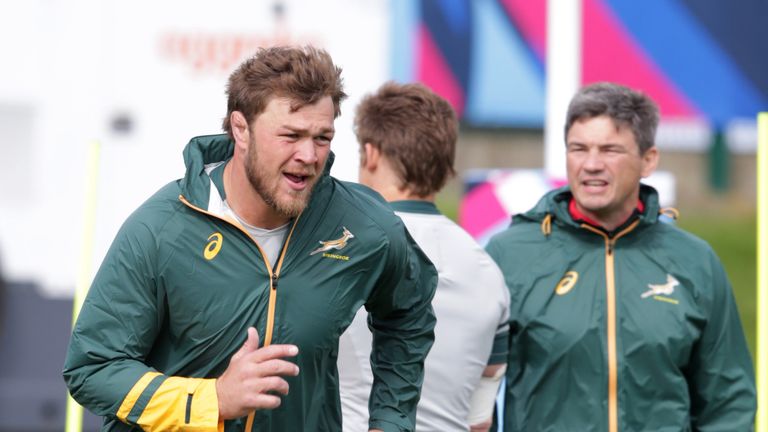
<point>650,161</point>
<point>371,155</point>
<point>240,130</point>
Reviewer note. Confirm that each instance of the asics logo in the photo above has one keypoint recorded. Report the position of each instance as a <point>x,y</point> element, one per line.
<point>566,283</point>
<point>213,247</point>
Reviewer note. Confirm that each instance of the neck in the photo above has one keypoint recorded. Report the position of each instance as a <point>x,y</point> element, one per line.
<point>384,181</point>
<point>609,221</point>
<point>392,193</point>
<point>246,202</point>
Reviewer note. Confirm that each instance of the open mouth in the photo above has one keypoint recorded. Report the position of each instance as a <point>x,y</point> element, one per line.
<point>594,185</point>
<point>297,181</point>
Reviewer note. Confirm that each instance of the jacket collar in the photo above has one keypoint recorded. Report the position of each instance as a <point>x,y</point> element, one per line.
<point>204,151</point>
<point>577,215</point>
<point>415,206</point>
<point>555,204</point>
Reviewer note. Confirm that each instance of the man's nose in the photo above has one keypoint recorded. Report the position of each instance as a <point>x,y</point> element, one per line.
<point>306,152</point>
<point>593,161</point>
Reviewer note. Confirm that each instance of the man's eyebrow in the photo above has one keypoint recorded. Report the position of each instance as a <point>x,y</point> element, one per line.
<point>305,130</point>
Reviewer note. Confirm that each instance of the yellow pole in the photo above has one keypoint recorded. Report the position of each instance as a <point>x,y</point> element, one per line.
<point>74,410</point>
<point>762,272</point>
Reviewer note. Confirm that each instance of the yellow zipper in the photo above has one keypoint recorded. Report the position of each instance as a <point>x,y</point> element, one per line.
<point>273,278</point>
<point>610,299</point>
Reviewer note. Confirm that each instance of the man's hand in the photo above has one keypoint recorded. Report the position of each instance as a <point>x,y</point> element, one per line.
<point>253,378</point>
<point>482,427</point>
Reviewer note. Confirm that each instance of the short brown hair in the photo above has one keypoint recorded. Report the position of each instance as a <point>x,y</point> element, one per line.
<point>303,75</point>
<point>623,105</point>
<point>415,129</point>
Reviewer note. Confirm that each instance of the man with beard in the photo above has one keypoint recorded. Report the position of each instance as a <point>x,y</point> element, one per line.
<point>231,286</point>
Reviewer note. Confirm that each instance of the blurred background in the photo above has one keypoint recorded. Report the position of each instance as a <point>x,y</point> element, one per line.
<point>141,78</point>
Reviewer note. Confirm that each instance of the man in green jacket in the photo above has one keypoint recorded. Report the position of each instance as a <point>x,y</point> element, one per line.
<point>220,303</point>
<point>618,322</point>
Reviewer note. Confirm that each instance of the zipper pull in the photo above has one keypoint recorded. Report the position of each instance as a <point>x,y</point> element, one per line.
<point>274,281</point>
<point>610,247</point>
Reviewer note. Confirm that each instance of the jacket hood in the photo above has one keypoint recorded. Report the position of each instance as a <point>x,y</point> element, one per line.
<point>554,205</point>
<point>203,151</point>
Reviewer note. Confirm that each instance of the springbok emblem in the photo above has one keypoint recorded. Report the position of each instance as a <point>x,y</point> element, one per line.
<point>662,289</point>
<point>339,243</point>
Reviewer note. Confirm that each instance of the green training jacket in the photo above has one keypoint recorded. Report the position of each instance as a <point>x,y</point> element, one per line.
<point>634,330</point>
<point>179,287</point>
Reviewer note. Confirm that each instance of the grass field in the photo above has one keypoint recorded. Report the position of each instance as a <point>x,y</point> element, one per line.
<point>732,237</point>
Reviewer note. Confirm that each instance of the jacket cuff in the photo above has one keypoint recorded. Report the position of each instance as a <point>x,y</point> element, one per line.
<point>204,411</point>
<point>178,403</point>
<point>386,426</point>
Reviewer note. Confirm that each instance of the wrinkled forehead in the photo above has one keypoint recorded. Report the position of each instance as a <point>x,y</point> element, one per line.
<point>597,130</point>
<point>284,112</point>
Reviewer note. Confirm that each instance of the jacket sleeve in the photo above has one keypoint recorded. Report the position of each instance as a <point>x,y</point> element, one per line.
<point>500,348</point>
<point>721,378</point>
<point>500,351</point>
<point>402,322</point>
<point>116,329</point>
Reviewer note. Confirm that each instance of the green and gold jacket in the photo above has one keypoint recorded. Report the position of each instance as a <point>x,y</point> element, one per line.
<point>180,285</point>
<point>632,330</point>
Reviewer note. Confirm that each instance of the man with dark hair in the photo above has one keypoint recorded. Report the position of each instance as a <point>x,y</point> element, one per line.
<point>407,136</point>
<point>619,322</point>
<point>257,235</point>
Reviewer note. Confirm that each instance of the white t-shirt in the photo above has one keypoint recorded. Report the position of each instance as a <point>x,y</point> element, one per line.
<point>472,308</point>
<point>270,241</point>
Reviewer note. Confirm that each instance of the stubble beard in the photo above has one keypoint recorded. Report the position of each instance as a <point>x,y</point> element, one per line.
<point>291,207</point>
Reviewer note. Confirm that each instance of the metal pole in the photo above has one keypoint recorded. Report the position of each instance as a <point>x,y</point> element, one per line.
<point>563,78</point>
<point>74,422</point>
<point>762,272</point>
